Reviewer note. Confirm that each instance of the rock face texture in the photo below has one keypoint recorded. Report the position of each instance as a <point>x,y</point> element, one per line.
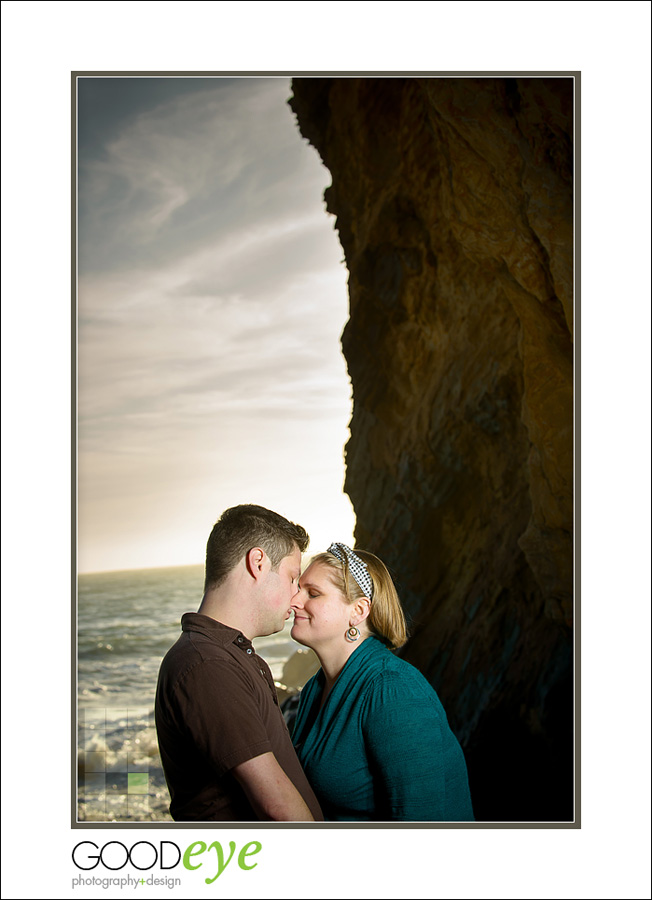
<point>454,207</point>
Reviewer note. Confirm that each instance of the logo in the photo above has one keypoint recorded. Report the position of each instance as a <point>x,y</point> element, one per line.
<point>143,856</point>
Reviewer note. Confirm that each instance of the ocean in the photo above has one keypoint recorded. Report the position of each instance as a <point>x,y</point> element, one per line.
<point>127,621</point>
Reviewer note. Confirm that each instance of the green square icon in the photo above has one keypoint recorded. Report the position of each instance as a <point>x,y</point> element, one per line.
<point>137,782</point>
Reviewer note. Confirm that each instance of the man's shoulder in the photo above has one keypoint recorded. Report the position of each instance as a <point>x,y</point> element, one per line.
<point>191,650</point>
<point>208,659</point>
<point>201,638</point>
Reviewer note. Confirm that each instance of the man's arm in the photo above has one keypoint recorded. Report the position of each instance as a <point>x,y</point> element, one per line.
<point>270,791</point>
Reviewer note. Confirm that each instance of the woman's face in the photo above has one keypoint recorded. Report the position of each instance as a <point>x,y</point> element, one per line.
<point>321,613</point>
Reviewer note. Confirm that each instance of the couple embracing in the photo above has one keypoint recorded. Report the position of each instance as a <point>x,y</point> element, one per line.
<point>371,741</point>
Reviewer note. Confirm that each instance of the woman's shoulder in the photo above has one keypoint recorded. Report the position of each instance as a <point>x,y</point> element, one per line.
<point>396,675</point>
<point>397,698</point>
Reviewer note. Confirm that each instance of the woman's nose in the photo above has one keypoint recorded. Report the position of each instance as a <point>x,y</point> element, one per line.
<point>297,600</point>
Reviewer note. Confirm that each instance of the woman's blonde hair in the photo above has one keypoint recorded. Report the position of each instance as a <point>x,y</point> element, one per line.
<point>386,618</point>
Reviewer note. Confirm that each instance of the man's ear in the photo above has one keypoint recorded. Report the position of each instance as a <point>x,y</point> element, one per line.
<point>255,562</point>
<point>360,610</point>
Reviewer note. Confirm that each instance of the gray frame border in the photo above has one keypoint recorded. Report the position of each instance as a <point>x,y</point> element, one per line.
<point>576,76</point>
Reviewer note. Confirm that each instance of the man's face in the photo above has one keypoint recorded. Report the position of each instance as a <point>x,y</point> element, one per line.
<point>280,589</point>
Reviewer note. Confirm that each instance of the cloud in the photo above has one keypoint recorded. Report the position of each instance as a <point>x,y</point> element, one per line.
<point>211,302</point>
<point>194,171</point>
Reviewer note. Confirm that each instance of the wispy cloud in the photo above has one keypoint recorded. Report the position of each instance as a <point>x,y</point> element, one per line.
<point>195,171</point>
<point>212,297</point>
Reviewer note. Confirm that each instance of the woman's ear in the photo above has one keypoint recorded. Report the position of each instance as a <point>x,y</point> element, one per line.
<point>360,610</point>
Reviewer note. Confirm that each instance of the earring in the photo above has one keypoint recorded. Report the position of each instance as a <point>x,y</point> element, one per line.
<point>352,634</point>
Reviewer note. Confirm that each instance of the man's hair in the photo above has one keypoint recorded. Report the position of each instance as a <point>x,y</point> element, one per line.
<point>241,528</point>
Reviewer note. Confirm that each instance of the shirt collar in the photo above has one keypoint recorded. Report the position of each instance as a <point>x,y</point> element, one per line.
<point>216,631</point>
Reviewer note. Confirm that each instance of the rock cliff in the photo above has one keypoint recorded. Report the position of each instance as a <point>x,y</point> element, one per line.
<point>454,206</point>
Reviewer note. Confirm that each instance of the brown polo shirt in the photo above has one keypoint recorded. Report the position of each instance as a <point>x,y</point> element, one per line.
<point>216,707</point>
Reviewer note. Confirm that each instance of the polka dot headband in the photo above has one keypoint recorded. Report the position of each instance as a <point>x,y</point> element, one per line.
<point>357,567</point>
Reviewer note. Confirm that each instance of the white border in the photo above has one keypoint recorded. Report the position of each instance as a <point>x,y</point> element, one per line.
<point>609,43</point>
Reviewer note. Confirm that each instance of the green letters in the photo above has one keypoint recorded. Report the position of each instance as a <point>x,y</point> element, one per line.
<point>189,852</point>
<point>243,853</point>
<point>221,865</point>
<point>199,847</point>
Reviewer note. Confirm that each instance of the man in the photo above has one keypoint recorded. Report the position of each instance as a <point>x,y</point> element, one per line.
<point>225,747</point>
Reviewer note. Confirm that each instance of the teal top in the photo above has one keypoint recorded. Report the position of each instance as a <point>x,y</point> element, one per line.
<point>380,748</point>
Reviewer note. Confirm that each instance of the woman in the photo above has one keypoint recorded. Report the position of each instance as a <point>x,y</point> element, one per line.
<point>371,733</point>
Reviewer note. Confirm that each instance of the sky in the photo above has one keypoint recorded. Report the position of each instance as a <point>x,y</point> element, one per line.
<point>211,299</point>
